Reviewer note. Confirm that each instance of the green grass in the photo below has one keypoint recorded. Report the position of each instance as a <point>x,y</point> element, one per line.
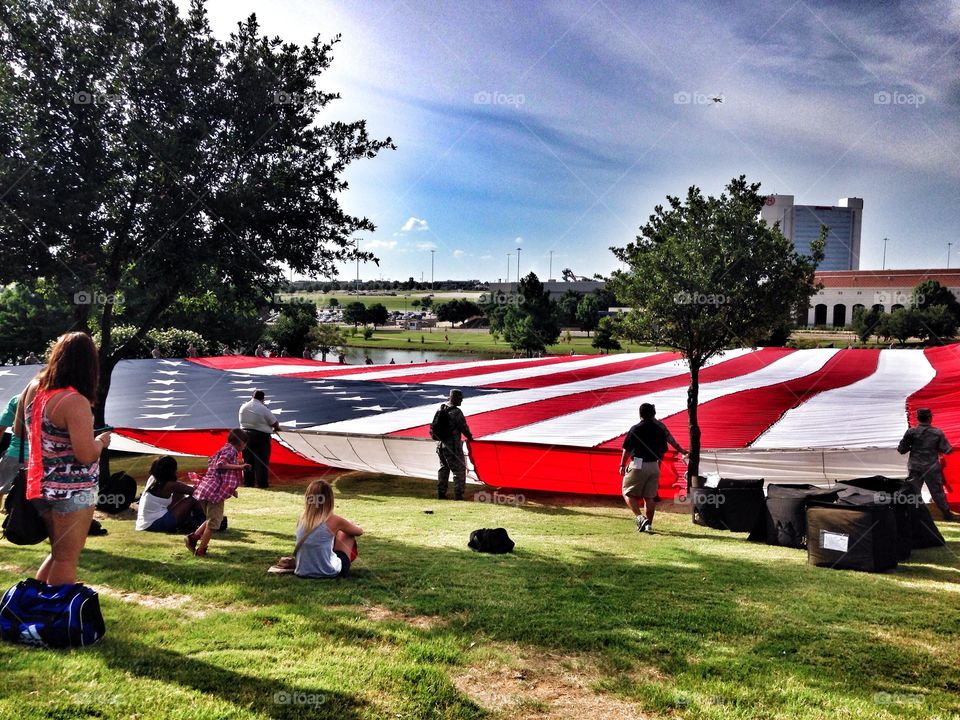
<point>686,623</point>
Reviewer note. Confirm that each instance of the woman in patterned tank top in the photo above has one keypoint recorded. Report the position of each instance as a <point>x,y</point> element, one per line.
<point>63,468</point>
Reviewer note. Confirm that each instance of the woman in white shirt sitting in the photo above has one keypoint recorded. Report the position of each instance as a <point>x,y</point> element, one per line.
<point>166,503</point>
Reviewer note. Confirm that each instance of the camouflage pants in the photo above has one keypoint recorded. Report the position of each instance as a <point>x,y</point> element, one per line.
<point>933,477</point>
<point>451,461</point>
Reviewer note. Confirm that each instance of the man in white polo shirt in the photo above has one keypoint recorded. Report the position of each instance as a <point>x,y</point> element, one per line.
<point>258,422</point>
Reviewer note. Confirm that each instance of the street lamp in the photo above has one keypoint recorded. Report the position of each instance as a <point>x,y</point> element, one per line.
<point>949,244</point>
<point>356,287</point>
<point>518,266</point>
<point>550,273</point>
<point>884,265</point>
<point>431,269</point>
<point>509,255</point>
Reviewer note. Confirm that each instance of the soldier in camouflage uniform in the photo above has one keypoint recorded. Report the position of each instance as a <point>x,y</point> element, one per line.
<point>450,450</point>
<point>925,443</point>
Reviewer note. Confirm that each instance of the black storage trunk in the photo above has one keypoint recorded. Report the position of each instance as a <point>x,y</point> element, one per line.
<point>735,505</point>
<point>896,502</point>
<point>852,537</point>
<point>913,517</point>
<point>786,516</point>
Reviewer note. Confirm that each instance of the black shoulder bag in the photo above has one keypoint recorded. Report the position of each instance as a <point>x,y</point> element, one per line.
<point>23,524</point>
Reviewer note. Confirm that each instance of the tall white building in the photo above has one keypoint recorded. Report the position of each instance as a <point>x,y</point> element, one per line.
<point>801,225</point>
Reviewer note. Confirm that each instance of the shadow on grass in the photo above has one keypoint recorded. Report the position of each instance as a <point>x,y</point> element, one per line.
<point>271,698</point>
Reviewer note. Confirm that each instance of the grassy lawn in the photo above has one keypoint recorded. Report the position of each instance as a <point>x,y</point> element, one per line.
<point>586,618</point>
<point>468,341</point>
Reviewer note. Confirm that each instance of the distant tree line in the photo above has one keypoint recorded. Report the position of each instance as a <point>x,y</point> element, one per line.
<point>932,315</point>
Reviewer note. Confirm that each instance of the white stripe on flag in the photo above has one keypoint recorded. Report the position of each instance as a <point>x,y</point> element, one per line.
<point>592,427</point>
<point>413,417</point>
<point>494,376</point>
<point>868,413</point>
<point>400,372</point>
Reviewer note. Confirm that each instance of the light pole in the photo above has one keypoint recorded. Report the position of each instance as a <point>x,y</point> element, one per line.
<point>356,287</point>
<point>949,244</point>
<point>509,255</point>
<point>884,265</point>
<point>431,269</point>
<point>518,266</point>
<point>550,274</point>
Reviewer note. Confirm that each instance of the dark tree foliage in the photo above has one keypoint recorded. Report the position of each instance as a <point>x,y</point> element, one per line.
<point>292,328</point>
<point>527,320</point>
<point>377,314</point>
<point>31,315</point>
<point>588,312</point>
<point>567,308</point>
<point>143,159</point>
<point>605,339</point>
<point>457,310</point>
<point>355,313</point>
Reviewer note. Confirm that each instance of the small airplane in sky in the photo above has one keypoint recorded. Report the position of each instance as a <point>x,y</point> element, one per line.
<point>717,98</point>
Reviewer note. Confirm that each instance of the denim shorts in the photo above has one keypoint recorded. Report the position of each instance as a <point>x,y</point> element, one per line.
<point>80,500</point>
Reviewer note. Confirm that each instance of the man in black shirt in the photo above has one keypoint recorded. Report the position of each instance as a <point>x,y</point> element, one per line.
<point>643,449</point>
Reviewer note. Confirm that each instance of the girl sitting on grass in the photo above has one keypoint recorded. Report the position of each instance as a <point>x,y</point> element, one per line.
<point>326,543</point>
<point>167,504</point>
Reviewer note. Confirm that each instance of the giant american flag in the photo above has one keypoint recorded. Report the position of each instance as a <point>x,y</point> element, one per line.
<point>553,423</point>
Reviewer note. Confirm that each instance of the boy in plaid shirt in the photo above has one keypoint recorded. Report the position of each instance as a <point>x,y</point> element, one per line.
<point>224,475</point>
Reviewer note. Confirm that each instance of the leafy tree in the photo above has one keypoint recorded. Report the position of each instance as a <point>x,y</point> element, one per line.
<point>865,322</point>
<point>293,326</point>
<point>930,293</point>
<point>457,310</point>
<point>220,315</point>
<point>333,302</point>
<point>355,313</point>
<point>142,157</point>
<point>325,338</point>
<point>377,314</point>
<point>567,308</point>
<point>30,317</point>
<point>588,312</point>
<point>935,324</point>
<point>605,337</point>
<point>705,274</point>
<point>426,302</point>
<point>529,324</point>
<point>903,324</point>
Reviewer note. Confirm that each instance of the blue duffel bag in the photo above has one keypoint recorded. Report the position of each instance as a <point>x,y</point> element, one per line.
<point>51,616</point>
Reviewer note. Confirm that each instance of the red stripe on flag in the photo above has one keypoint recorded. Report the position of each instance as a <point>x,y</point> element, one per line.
<point>942,396</point>
<point>737,420</point>
<point>587,373</point>
<point>206,443</point>
<point>487,423</point>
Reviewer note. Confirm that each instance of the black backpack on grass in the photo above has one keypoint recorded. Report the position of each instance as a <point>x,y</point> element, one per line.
<point>491,540</point>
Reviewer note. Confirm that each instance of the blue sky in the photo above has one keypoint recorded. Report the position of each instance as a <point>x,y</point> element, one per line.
<point>558,126</point>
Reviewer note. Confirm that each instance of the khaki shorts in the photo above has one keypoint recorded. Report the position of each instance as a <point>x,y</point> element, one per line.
<point>643,482</point>
<point>214,513</point>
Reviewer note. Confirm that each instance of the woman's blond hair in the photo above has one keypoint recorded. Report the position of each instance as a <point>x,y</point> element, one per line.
<point>317,505</point>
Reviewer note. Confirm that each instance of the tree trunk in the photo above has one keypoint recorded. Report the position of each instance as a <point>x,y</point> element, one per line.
<point>693,395</point>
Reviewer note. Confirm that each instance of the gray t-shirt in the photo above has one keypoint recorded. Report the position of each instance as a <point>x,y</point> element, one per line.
<point>925,443</point>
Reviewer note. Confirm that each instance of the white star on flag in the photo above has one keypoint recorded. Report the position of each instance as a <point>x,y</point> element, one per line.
<point>354,398</point>
<point>376,408</point>
<point>158,416</point>
<point>167,382</point>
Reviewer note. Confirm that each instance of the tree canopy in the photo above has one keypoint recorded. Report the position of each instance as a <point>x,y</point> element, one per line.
<point>706,274</point>
<point>526,320</point>
<point>143,158</point>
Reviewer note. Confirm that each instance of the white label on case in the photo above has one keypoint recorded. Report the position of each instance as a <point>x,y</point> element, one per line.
<point>834,541</point>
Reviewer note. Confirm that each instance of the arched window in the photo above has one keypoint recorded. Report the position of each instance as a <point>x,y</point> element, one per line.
<point>896,307</point>
<point>820,314</point>
<point>878,307</point>
<point>858,306</point>
<point>839,315</point>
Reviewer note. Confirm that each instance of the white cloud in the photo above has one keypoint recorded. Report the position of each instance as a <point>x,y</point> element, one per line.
<point>415,225</point>
<point>379,244</point>
<point>458,253</point>
<point>426,246</point>
<point>519,241</point>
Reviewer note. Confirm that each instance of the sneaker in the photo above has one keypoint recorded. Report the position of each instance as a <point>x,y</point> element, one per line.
<point>648,527</point>
<point>191,543</point>
<point>642,524</point>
